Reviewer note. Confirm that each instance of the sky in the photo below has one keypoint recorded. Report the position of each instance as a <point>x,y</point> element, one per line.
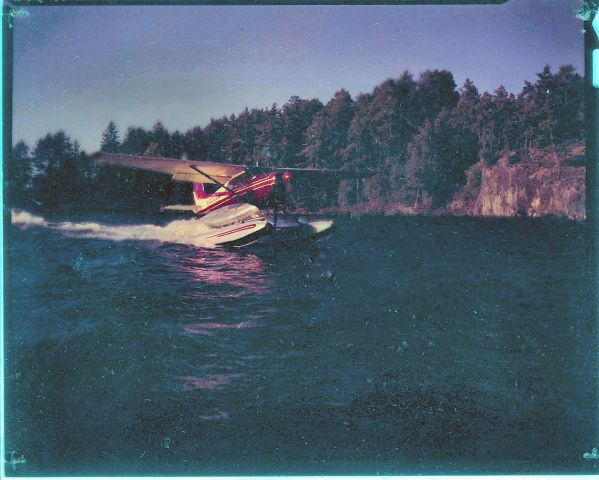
<point>76,68</point>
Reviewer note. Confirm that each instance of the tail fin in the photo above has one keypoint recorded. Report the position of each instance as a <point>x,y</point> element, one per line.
<point>202,198</point>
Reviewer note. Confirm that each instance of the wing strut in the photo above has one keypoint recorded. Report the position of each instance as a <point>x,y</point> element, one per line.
<point>193,167</point>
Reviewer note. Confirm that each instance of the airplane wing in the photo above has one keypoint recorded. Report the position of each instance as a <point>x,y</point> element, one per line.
<point>181,170</point>
<point>296,169</point>
<point>329,171</point>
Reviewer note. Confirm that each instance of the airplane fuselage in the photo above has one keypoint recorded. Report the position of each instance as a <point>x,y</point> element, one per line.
<point>255,190</point>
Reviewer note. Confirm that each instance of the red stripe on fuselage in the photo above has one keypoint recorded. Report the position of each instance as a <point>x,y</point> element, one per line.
<point>260,184</point>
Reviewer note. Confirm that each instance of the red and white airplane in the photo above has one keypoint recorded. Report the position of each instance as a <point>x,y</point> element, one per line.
<point>229,197</point>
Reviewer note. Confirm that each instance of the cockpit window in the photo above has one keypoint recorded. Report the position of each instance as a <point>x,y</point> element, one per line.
<point>239,179</point>
<point>210,188</point>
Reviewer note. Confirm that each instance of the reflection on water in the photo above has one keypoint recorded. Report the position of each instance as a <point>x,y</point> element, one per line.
<point>225,269</point>
<point>228,293</point>
<point>208,328</point>
<point>209,382</point>
<point>219,415</point>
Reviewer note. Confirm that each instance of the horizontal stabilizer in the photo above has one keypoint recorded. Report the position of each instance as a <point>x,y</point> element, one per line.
<point>178,208</point>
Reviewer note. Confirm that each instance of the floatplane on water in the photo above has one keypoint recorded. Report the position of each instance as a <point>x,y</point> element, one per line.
<point>231,201</point>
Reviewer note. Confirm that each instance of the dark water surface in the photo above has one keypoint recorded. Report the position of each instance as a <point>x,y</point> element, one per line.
<point>397,345</point>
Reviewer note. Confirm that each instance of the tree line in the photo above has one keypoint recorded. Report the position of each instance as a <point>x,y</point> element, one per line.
<point>414,141</point>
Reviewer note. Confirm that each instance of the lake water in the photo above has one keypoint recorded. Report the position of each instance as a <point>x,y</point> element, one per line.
<point>395,345</point>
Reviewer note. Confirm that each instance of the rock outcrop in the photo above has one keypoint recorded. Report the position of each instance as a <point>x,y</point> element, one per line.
<point>532,183</point>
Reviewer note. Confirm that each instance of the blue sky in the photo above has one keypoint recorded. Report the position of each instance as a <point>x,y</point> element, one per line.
<point>76,68</point>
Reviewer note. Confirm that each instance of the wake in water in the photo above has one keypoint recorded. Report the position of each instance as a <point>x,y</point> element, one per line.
<point>186,232</point>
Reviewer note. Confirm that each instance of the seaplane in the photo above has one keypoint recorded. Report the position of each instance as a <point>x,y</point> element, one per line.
<point>235,205</point>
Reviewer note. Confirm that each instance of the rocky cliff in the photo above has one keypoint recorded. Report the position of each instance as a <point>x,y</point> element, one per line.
<point>530,183</point>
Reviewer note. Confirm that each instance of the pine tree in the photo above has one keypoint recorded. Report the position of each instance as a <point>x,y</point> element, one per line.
<point>468,93</point>
<point>136,141</point>
<point>439,156</point>
<point>110,139</point>
<point>296,116</point>
<point>19,172</point>
<point>195,148</point>
<point>57,171</point>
